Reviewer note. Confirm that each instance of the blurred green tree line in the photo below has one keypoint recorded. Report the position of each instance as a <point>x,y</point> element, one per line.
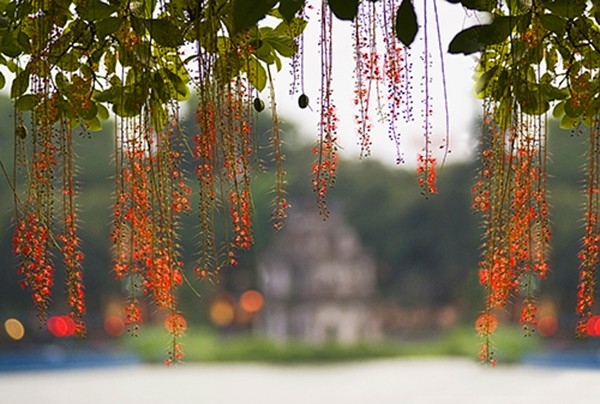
<point>426,249</point>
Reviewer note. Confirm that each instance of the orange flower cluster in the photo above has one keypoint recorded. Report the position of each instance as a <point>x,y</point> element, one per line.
<point>222,149</point>
<point>588,256</point>
<point>151,193</point>
<point>511,196</point>
<point>427,174</point>
<point>324,171</point>
<point>34,240</point>
<point>31,244</point>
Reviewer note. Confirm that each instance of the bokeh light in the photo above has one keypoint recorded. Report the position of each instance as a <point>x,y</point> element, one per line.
<point>114,326</point>
<point>547,326</point>
<point>222,312</point>
<point>61,326</point>
<point>251,301</point>
<point>592,326</point>
<point>14,328</point>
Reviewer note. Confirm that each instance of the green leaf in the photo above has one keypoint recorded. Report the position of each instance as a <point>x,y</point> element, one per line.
<point>138,25</point>
<point>289,8</point>
<point>164,33</point>
<point>2,80</point>
<point>246,13</point>
<point>554,23</point>
<point>516,7</point>
<point>111,95</point>
<point>158,115</point>
<point>266,53</point>
<point>476,38</point>
<point>344,9</point>
<point>559,110</point>
<point>95,10</point>
<point>90,112</point>
<point>572,110</point>
<point>406,25</point>
<point>503,114</point>
<point>108,26</point>
<point>569,123</point>
<point>102,112</point>
<point>19,84</point>
<point>93,124</point>
<point>292,29</point>
<point>566,8</point>
<point>551,59</point>
<point>484,81</point>
<point>9,45</point>
<point>178,84</point>
<point>26,102</point>
<point>480,5</point>
<point>277,62</point>
<point>257,74</point>
<point>282,44</point>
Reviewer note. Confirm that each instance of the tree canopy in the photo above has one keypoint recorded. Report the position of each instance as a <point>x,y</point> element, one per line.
<point>76,62</point>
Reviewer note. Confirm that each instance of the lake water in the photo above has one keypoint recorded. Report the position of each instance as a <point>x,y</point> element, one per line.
<point>390,381</point>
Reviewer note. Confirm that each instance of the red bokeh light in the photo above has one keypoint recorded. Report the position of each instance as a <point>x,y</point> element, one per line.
<point>547,326</point>
<point>592,326</point>
<point>251,301</point>
<point>61,326</point>
<point>114,326</point>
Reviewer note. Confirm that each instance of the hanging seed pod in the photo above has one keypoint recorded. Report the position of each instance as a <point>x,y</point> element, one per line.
<point>303,101</point>
<point>259,105</point>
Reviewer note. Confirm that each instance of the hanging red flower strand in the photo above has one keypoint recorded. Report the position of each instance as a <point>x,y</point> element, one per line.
<point>588,256</point>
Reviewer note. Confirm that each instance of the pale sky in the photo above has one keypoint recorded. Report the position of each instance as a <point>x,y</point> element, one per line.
<point>464,107</point>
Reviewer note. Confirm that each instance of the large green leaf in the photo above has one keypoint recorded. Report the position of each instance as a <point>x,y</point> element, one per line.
<point>26,102</point>
<point>475,38</point>
<point>281,43</point>
<point>256,73</point>
<point>108,26</point>
<point>9,45</point>
<point>406,23</point>
<point>293,28</point>
<point>246,13</point>
<point>164,32</point>
<point>183,92</point>
<point>554,23</point>
<point>289,8</point>
<point>566,8</point>
<point>344,9</point>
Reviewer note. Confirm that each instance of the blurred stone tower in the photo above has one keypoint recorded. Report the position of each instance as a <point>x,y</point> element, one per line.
<point>319,283</point>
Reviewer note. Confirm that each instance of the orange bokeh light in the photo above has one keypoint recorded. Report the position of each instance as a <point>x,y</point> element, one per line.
<point>251,301</point>
<point>14,328</point>
<point>222,312</point>
<point>114,326</point>
<point>547,326</point>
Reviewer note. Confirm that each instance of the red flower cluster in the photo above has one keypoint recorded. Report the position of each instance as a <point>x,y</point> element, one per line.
<point>427,174</point>
<point>511,195</point>
<point>31,244</point>
<point>324,171</point>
